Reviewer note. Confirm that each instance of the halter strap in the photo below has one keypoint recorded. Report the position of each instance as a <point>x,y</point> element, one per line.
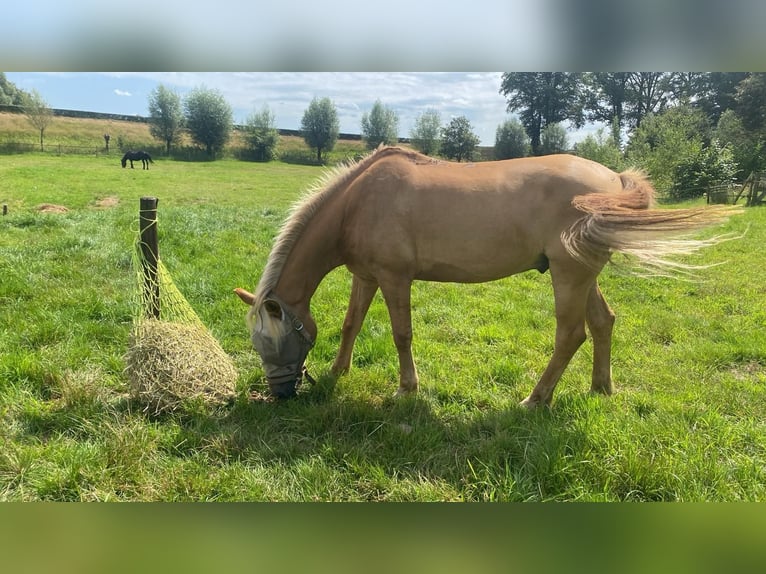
<point>294,320</point>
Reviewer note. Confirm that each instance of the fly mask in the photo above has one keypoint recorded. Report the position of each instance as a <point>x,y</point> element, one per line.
<point>282,343</point>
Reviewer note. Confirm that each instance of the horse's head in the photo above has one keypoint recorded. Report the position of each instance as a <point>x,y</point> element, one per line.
<point>124,160</point>
<point>280,339</point>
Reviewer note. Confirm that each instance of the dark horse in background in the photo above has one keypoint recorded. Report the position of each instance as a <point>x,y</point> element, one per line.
<point>131,156</point>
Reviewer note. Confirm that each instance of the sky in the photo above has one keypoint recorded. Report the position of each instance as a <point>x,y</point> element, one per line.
<point>288,94</point>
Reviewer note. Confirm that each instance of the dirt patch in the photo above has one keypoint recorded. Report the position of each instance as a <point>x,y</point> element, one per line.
<point>51,208</point>
<point>747,370</point>
<point>107,202</point>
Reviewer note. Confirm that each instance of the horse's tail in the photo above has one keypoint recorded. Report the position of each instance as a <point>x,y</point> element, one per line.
<point>625,222</point>
<point>149,158</point>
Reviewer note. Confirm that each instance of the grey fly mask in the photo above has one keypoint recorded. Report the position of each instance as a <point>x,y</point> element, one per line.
<point>282,343</point>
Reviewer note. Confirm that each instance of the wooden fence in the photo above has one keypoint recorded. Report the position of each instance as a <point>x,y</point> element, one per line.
<point>753,190</point>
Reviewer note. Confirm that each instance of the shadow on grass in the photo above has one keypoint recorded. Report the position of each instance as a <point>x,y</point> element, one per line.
<point>506,454</point>
<point>347,445</point>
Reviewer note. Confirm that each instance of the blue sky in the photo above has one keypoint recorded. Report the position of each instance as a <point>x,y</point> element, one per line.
<point>288,94</point>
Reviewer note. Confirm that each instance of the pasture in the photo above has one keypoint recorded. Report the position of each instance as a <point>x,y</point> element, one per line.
<point>687,423</point>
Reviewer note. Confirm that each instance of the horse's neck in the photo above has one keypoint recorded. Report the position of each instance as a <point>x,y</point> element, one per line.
<point>313,256</point>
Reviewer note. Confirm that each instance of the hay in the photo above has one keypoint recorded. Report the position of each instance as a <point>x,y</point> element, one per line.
<point>171,364</point>
<point>174,361</point>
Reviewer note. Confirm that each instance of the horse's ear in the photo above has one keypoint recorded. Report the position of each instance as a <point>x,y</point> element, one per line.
<point>246,297</point>
<point>273,308</point>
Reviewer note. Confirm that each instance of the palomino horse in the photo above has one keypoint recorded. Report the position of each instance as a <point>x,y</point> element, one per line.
<point>397,216</point>
<point>132,156</point>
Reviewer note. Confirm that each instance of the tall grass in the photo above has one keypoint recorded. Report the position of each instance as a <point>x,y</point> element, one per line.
<point>86,135</point>
<point>689,360</point>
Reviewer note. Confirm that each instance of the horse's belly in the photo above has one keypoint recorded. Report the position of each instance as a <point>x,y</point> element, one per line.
<point>478,271</point>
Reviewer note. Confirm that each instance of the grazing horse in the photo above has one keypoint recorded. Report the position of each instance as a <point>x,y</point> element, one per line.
<point>398,216</point>
<point>131,156</point>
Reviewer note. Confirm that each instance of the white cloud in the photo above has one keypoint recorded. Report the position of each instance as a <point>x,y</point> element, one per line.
<point>122,93</point>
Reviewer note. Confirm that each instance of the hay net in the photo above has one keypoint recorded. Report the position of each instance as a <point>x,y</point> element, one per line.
<point>172,358</point>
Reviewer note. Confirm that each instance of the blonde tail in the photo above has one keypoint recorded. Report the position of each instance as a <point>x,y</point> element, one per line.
<point>624,222</point>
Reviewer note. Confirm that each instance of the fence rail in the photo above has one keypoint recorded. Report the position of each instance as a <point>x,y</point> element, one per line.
<point>752,191</point>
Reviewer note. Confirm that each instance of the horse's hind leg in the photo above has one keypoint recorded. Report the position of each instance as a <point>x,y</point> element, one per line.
<point>600,319</point>
<point>570,290</point>
<point>362,292</point>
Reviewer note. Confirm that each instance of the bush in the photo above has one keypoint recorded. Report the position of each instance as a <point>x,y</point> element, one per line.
<point>695,174</point>
<point>511,140</point>
<point>663,140</point>
<point>261,135</point>
<point>602,149</point>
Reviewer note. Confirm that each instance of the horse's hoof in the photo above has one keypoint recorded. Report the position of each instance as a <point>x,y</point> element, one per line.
<point>605,390</point>
<point>338,372</point>
<point>531,403</point>
<point>404,392</point>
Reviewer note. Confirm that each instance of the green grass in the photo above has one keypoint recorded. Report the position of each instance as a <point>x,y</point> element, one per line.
<point>689,361</point>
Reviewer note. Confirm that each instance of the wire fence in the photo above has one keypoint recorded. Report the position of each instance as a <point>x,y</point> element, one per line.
<point>11,147</point>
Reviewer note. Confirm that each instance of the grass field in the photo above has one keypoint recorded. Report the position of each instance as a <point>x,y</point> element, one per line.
<point>86,136</point>
<point>688,421</point>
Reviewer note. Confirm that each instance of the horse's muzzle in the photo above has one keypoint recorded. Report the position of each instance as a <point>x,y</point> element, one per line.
<point>284,389</point>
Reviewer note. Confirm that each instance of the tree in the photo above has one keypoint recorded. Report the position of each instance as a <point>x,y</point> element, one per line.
<point>553,139</point>
<point>10,95</point>
<point>165,116</point>
<point>425,135</point>
<point>687,87</point>
<point>751,102</point>
<point>458,139</point>
<point>747,147</point>
<point>320,126</point>
<point>380,125</point>
<point>38,113</point>
<point>647,93</point>
<point>511,140</point>
<point>543,98</point>
<point>604,99</point>
<point>719,93</point>
<point>261,134</point>
<point>208,118</point>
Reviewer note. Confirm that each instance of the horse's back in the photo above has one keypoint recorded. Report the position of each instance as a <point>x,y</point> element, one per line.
<point>466,221</point>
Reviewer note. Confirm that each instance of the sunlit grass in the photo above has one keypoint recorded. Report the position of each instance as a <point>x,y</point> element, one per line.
<point>689,361</point>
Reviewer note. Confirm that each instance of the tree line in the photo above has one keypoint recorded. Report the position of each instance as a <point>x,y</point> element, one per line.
<point>689,130</point>
<point>207,118</point>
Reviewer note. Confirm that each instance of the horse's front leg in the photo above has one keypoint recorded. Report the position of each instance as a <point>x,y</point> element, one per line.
<point>396,292</point>
<point>362,292</point>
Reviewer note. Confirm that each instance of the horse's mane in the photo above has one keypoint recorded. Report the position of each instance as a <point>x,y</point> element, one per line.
<point>304,209</point>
